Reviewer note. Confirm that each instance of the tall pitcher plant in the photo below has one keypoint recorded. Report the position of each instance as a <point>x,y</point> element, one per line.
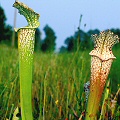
<point>101,61</point>
<point>26,38</point>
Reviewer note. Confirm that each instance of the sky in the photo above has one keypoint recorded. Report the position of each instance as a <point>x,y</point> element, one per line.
<point>63,15</point>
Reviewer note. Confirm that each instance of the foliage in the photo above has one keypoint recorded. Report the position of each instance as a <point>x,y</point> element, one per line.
<point>70,42</point>
<point>48,43</point>
<point>5,30</point>
<point>62,49</point>
<point>80,40</point>
<point>37,39</point>
<point>58,84</point>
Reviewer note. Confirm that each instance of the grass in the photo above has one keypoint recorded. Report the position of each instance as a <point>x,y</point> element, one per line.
<point>58,83</point>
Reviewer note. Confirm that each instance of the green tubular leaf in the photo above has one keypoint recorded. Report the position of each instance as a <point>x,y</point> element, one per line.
<point>26,38</point>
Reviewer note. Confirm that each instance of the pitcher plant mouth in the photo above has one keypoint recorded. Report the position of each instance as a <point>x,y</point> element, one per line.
<point>101,61</point>
<point>26,39</point>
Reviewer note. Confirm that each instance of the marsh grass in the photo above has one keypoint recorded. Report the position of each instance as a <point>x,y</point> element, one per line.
<point>58,83</point>
<point>9,85</point>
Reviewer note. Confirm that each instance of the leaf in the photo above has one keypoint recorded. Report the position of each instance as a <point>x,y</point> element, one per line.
<point>31,16</point>
<point>103,44</point>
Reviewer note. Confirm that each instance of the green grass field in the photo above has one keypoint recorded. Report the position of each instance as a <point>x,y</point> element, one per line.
<point>58,83</point>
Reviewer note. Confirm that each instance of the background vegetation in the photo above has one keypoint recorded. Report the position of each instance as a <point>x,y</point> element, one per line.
<point>58,82</point>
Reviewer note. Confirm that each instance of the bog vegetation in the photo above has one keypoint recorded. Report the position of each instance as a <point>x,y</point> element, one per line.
<point>58,83</point>
<point>58,78</point>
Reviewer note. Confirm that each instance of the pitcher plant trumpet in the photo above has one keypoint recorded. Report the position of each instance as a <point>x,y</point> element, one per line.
<point>101,61</point>
<point>26,38</point>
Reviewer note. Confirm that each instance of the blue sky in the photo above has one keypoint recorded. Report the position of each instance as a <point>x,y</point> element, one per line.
<point>63,15</point>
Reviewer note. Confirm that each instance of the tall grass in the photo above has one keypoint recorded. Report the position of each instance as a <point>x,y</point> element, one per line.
<point>58,83</point>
